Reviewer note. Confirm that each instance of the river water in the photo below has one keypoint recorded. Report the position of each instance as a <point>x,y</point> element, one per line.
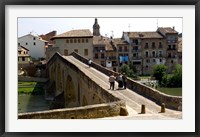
<point>32,103</point>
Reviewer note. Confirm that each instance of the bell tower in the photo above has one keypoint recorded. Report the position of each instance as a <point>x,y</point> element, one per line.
<point>96,28</point>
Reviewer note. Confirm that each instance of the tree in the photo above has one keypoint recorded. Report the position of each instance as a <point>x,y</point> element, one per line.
<point>159,71</point>
<point>128,70</point>
<point>176,79</point>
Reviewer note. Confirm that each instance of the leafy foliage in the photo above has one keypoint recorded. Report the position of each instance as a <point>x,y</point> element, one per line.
<point>159,71</point>
<point>129,70</point>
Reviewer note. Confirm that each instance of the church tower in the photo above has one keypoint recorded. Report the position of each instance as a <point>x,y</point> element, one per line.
<point>96,28</point>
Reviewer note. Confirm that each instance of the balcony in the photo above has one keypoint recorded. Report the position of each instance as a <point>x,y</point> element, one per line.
<point>98,50</point>
<point>111,57</point>
<point>171,41</point>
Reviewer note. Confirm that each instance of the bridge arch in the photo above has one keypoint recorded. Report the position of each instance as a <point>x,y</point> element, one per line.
<point>70,93</point>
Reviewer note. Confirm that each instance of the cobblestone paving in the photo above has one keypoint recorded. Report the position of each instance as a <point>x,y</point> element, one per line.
<point>133,100</point>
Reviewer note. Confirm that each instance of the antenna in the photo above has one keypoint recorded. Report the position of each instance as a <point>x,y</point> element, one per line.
<point>157,23</point>
<point>112,34</point>
<point>129,26</point>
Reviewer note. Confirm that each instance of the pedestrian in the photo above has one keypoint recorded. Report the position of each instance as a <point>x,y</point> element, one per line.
<point>120,81</point>
<point>89,63</point>
<point>112,81</point>
<point>124,80</point>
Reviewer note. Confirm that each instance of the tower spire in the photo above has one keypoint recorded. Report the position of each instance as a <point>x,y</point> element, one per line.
<point>96,28</point>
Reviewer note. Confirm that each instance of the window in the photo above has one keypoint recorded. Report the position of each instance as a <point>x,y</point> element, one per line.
<point>172,61</point>
<point>174,47</point>
<point>18,43</point>
<point>160,60</point>
<point>169,47</point>
<point>79,41</point>
<point>147,66</point>
<point>169,55</point>
<point>71,40</point>
<point>160,53</point>
<point>125,48</point>
<point>102,56</point>
<point>154,54</point>
<point>146,45</point>
<point>147,53</point>
<point>154,60</point>
<point>65,52</point>
<point>33,43</point>
<point>120,48</point>
<point>85,52</point>
<point>86,40</point>
<point>67,41</point>
<point>147,60</point>
<point>23,58</point>
<point>153,45</point>
<point>96,56</point>
<point>19,52</point>
<point>74,40</point>
<point>26,43</point>
<point>160,45</point>
<point>76,50</point>
<point>34,38</point>
<point>83,40</point>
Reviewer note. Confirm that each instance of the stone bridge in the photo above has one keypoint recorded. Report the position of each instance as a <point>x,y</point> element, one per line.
<point>82,92</point>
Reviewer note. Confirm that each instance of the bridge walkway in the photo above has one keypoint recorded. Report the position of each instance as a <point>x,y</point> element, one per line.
<point>133,100</point>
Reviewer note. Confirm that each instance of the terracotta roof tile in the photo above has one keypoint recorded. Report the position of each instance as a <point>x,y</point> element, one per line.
<point>166,30</point>
<point>144,35</point>
<point>74,33</point>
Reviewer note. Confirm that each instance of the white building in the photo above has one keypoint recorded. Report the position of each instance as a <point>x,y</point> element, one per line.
<point>35,44</point>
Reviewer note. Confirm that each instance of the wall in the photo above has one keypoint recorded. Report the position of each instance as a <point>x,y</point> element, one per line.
<point>91,111</point>
<point>61,43</point>
<point>30,79</point>
<point>37,50</point>
<point>172,102</point>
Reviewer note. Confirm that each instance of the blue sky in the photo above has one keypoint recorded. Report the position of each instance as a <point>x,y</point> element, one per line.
<point>40,26</point>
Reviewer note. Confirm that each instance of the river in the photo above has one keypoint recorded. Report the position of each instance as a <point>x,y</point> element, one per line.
<point>32,103</point>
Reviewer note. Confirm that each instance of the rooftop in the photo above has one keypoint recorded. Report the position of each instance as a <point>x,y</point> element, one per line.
<point>74,33</point>
<point>143,35</point>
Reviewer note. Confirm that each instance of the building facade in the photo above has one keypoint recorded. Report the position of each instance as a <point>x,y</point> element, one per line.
<point>35,44</point>
<point>80,41</point>
<point>23,56</point>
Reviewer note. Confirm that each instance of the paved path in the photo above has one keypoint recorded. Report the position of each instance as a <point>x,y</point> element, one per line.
<point>133,100</point>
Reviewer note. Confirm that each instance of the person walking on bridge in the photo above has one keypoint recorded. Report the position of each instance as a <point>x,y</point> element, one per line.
<point>112,81</point>
<point>89,63</point>
<point>124,80</point>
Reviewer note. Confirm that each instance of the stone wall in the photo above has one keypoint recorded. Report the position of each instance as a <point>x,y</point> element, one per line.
<point>86,112</point>
<point>30,79</point>
<point>172,102</point>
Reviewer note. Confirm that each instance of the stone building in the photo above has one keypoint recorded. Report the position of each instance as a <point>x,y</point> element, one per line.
<point>146,49</point>
<point>23,57</point>
<point>80,41</point>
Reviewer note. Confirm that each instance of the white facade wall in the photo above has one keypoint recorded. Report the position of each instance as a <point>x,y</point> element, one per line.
<point>36,50</point>
<point>62,45</point>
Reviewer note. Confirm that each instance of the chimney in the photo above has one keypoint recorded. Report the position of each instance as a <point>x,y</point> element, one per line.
<point>173,28</point>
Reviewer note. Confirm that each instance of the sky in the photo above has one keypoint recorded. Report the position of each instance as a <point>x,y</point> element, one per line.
<point>108,26</point>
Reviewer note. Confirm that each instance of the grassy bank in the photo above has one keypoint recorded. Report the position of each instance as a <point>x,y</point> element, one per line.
<point>171,91</point>
<point>34,88</point>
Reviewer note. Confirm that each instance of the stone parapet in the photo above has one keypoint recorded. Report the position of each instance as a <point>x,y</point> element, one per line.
<point>172,102</point>
<point>86,112</point>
